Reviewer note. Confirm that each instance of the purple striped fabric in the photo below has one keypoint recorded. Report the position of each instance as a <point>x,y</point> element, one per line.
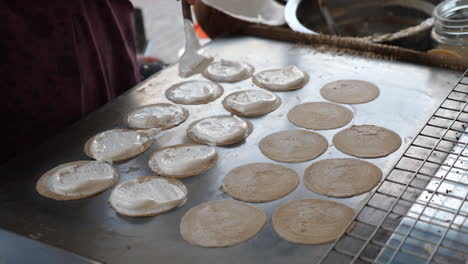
<point>60,60</point>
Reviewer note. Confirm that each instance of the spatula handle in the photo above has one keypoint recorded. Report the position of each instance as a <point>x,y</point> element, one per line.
<point>186,11</point>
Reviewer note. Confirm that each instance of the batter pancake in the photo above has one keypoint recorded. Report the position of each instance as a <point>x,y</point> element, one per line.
<point>119,144</point>
<point>77,180</point>
<point>311,221</point>
<point>260,182</point>
<point>162,116</point>
<point>183,160</point>
<point>342,177</point>
<point>367,141</point>
<point>350,91</point>
<point>251,103</point>
<point>194,92</point>
<point>220,130</point>
<point>228,71</point>
<point>221,223</point>
<point>147,196</point>
<point>280,80</point>
<point>320,115</point>
<point>293,146</point>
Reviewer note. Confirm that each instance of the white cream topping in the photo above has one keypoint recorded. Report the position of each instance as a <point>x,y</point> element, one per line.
<point>195,92</point>
<point>252,101</point>
<point>228,71</point>
<point>114,145</point>
<point>183,160</point>
<point>284,78</point>
<point>152,195</point>
<point>153,116</point>
<point>220,129</point>
<point>84,179</point>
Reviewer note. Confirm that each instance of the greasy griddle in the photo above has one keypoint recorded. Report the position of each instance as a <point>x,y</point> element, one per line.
<point>409,95</point>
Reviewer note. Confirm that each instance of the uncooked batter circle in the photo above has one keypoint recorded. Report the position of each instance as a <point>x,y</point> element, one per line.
<point>221,223</point>
<point>350,91</point>
<point>260,182</point>
<point>342,177</point>
<point>311,221</point>
<point>320,115</point>
<point>367,141</point>
<point>293,146</point>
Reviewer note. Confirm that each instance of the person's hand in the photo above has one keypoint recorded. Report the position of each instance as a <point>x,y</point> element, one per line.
<point>192,2</point>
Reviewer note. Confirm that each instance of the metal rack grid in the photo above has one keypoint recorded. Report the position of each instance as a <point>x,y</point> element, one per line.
<point>419,212</point>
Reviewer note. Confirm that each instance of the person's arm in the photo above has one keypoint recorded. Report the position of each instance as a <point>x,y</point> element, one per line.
<point>192,2</point>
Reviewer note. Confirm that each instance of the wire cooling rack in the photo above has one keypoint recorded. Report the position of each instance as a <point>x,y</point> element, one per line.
<point>419,213</point>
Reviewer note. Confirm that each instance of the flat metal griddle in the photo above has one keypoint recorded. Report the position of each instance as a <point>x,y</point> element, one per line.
<point>90,228</point>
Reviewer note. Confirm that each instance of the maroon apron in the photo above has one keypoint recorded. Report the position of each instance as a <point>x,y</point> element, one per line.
<point>60,60</point>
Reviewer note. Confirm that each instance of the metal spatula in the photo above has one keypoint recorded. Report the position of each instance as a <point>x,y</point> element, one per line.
<point>192,61</point>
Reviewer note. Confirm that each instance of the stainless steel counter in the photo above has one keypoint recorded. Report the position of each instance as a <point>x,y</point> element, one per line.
<point>409,95</point>
<point>18,249</point>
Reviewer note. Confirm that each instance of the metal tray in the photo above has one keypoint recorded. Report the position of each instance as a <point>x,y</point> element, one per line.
<point>90,228</point>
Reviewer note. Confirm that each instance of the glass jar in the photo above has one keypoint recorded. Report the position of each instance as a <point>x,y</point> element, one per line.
<point>450,31</point>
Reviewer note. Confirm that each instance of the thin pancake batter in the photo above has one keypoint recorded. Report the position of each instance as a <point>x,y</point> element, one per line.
<point>311,221</point>
<point>183,160</point>
<point>194,92</point>
<point>320,115</point>
<point>251,103</point>
<point>260,182</point>
<point>221,223</point>
<point>77,180</point>
<point>342,177</point>
<point>281,80</point>
<point>118,145</point>
<point>293,146</point>
<point>367,141</point>
<point>147,196</point>
<point>350,91</point>
<point>163,116</point>
<point>220,130</point>
<point>228,71</point>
